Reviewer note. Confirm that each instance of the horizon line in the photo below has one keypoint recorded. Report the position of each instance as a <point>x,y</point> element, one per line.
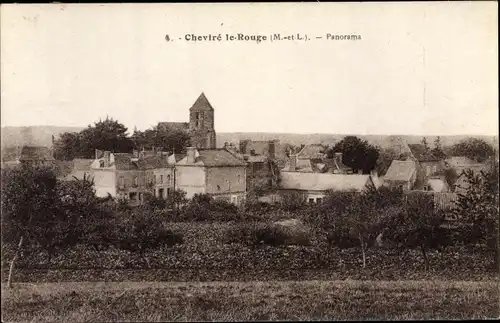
<point>291,133</point>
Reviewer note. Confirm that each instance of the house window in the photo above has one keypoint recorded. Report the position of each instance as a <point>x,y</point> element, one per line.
<point>161,192</point>
<point>318,200</point>
<point>133,196</point>
<point>434,169</point>
<point>140,197</point>
<point>122,182</point>
<point>168,179</point>
<point>161,179</point>
<point>168,191</point>
<point>311,201</point>
<point>101,163</point>
<point>428,170</point>
<point>136,181</point>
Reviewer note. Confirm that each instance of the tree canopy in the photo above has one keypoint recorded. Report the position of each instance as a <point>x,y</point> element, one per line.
<point>356,153</point>
<point>473,148</point>
<point>108,134</point>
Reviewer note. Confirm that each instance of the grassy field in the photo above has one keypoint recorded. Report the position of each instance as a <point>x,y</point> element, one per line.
<point>250,301</point>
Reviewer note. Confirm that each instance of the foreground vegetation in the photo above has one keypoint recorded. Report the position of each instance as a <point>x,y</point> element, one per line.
<point>220,301</point>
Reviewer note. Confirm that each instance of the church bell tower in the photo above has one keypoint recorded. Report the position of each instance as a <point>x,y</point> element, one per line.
<point>201,124</point>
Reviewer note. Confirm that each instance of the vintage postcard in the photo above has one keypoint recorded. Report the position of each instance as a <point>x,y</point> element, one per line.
<point>249,161</point>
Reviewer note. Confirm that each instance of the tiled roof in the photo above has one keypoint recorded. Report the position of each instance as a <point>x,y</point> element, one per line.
<point>128,162</point>
<point>177,126</point>
<point>202,103</point>
<point>29,153</point>
<point>219,157</point>
<point>400,170</point>
<point>323,182</point>
<point>422,154</point>
<point>312,151</point>
<point>215,157</point>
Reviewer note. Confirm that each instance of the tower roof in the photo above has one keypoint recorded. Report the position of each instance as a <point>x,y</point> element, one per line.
<point>202,104</point>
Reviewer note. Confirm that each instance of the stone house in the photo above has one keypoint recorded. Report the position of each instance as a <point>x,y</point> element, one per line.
<point>216,172</point>
<point>401,174</point>
<point>36,156</point>
<point>315,186</point>
<point>130,176</point>
<point>427,164</point>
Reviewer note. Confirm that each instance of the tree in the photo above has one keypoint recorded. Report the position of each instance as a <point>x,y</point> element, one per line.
<point>417,225</point>
<point>359,220</point>
<point>473,148</point>
<point>292,201</point>
<point>385,159</point>
<point>478,205</point>
<point>450,176</point>
<point>172,140</point>
<point>67,146</point>
<point>424,143</point>
<point>106,134</point>
<point>438,149</point>
<point>357,154</point>
<point>28,207</point>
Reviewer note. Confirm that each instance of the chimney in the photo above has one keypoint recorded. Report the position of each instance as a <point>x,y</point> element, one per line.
<point>106,157</point>
<point>360,172</point>
<point>272,149</point>
<point>374,173</point>
<point>191,155</point>
<point>293,162</point>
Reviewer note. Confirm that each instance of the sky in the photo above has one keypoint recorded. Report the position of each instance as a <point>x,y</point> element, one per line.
<point>419,68</point>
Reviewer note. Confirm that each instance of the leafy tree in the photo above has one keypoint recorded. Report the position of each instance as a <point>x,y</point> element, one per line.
<point>139,231</point>
<point>171,140</point>
<point>67,147</point>
<point>417,225</point>
<point>438,149</point>
<point>359,220</point>
<point>385,159</point>
<point>357,154</point>
<point>478,205</point>
<point>155,202</point>
<point>450,176</point>
<point>292,201</point>
<point>177,199</point>
<point>473,148</point>
<point>28,207</point>
<point>106,134</point>
<point>424,143</point>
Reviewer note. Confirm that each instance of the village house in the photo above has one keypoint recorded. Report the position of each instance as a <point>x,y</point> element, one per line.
<point>401,174</point>
<point>428,164</point>
<point>36,156</point>
<point>315,186</point>
<point>130,176</point>
<point>216,172</point>
<point>314,179</point>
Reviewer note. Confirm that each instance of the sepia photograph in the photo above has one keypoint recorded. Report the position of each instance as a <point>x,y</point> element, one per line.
<point>249,162</point>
